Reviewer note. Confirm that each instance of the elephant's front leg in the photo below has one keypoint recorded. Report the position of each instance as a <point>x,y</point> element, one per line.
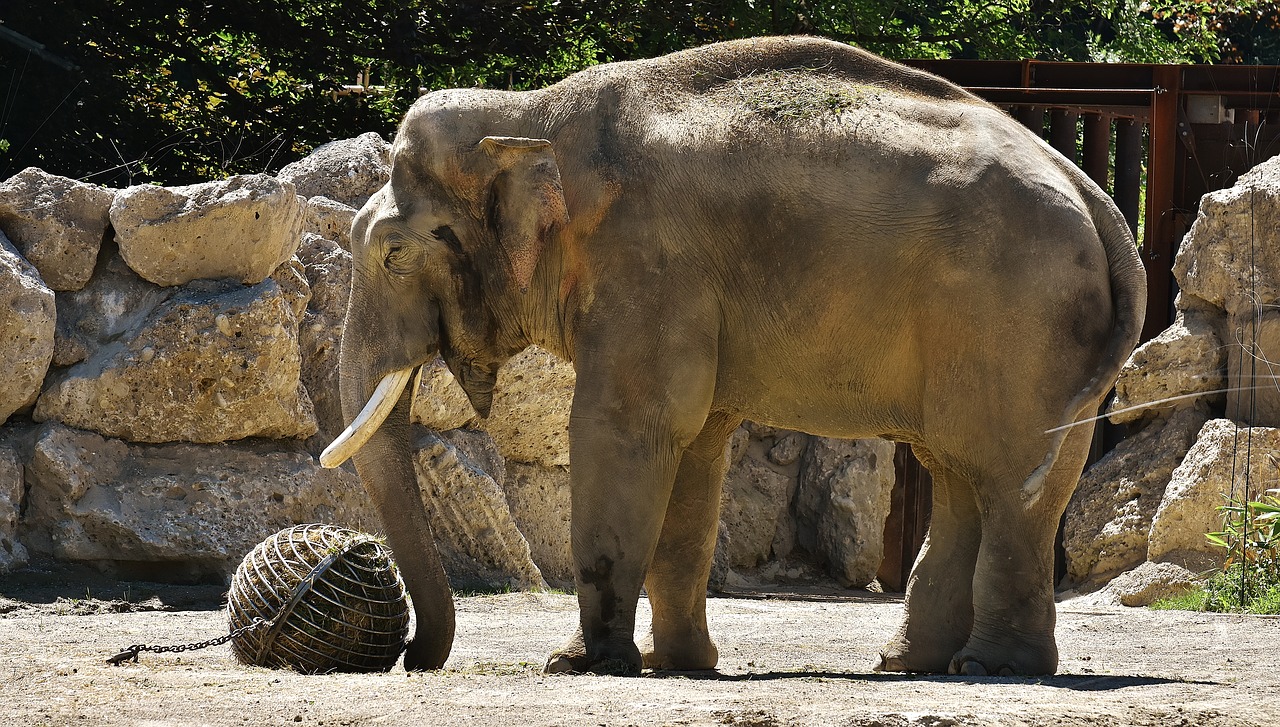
<point>677,580</point>
<point>621,480</point>
<point>629,428</point>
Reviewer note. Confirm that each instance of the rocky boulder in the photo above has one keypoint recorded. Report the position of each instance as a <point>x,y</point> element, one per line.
<point>176,511</point>
<point>243,227</point>
<point>1108,520</point>
<point>539,498</point>
<point>347,171</point>
<point>754,504</point>
<point>1231,255</point>
<point>1224,458</point>
<point>1186,358</point>
<point>213,362</point>
<point>439,403</point>
<point>114,303</point>
<point>328,272</point>
<point>13,554</point>
<point>330,220</point>
<point>1142,586</point>
<point>531,403</point>
<point>1253,377</point>
<point>477,539</point>
<point>57,223</point>
<point>27,323</point>
<point>793,503</point>
<point>841,505</point>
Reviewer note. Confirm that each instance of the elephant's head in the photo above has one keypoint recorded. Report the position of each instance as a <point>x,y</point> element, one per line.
<point>442,257</point>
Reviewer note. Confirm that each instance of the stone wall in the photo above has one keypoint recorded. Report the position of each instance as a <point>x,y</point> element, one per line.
<point>172,375</point>
<point>1200,401</point>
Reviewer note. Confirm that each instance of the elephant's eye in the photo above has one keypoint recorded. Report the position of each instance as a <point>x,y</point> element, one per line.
<point>444,233</point>
<point>403,258</point>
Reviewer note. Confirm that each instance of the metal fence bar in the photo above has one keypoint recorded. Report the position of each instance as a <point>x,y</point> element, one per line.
<point>1128,179</point>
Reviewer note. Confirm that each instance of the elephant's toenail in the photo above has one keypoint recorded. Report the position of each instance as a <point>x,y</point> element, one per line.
<point>557,665</point>
<point>1007,671</point>
<point>890,663</point>
<point>971,668</point>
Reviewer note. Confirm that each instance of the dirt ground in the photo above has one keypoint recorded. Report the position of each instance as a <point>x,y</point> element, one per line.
<point>785,659</point>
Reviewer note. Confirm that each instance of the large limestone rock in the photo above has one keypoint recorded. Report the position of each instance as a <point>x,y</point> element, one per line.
<point>57,223</point>
<point>539,498</point>
<point>328,271</point>
<point>1109,518</point>
<point>841,505</point>
<point>439,403</point>
<point>1186,358</point>
<point>531,403</point>
<point>477,539</point>
<point>1253,370</point>
<point>1150,582</point>
<point>1218,465</point>
<point>1142,586</point>
<point>754,503</point>
<point>176,511</point>
<point>1231,255</point>
<point>213,362</point>
<point>330,220</point>
<point>242,228</point>
<point>13,554</point>
<point>110,307</point>
<point>27,322</point>
<point>347,171</point>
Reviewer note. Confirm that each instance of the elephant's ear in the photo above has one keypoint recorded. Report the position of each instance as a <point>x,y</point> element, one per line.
<point>527,201</point>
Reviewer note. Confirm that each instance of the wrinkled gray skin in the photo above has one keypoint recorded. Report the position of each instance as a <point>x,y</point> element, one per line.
<point>790,231</point>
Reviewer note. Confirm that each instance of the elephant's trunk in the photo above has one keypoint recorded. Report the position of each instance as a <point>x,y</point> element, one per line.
<point>386,468</point>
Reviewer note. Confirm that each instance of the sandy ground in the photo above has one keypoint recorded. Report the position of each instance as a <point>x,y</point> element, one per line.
<point>784,660</point>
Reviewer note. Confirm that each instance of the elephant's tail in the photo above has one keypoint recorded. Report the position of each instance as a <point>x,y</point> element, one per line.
<point>1129,309</point>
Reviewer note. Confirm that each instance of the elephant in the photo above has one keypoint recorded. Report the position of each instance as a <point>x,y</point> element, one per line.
<point>786,230</point>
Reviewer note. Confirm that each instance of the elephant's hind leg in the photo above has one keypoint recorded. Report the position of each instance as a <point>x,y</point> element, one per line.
<point>939,602</point>
<point>1013,602</point>
<point>677,578</point>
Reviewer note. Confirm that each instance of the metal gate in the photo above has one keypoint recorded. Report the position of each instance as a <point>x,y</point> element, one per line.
<point>1157,138</point>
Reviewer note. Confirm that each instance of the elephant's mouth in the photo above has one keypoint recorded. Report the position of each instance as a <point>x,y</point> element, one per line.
<point>477,382</point>
<point>476,379</point>
<point>368,420</point>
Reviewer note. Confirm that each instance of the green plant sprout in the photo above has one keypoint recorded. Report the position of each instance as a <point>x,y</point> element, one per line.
<point>1249,581</point>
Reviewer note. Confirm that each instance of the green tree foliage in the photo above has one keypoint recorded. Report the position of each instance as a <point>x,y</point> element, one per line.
<point>125,92</point>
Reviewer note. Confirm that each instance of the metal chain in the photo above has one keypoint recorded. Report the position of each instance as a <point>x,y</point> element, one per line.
<point>131,653</point>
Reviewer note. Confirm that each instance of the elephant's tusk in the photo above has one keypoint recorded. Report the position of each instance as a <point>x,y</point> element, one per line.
<point>368,420</point>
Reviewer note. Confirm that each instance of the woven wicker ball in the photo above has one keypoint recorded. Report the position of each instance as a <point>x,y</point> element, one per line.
<point>333,597</point>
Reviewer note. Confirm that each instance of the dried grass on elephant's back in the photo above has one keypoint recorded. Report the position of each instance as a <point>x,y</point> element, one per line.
<point>353,618</point>
<point>799,95</point>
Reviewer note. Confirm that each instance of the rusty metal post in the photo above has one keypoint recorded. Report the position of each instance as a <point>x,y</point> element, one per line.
<point>1031,117</point>
<point>1128,179</point>
<point>1097,148</point>
<point>1158,245</point>
<point>911,503</point>
<point>1062,133</point>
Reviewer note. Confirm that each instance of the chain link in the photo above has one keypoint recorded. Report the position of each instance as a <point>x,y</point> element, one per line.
<point>131,653</point>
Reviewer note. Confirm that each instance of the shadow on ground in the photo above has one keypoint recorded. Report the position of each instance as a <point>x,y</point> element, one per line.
<point>1074,682</point>
<point>86,590</point>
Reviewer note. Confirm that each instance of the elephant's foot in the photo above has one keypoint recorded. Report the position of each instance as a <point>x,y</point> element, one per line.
<point>1005,657</point>
<point>692,651</point>
<point>921,656</point>
<point>610,659</point>
<point>420,656</point>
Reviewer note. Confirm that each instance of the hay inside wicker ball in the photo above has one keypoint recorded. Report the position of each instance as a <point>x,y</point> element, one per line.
<point>334,597</point>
